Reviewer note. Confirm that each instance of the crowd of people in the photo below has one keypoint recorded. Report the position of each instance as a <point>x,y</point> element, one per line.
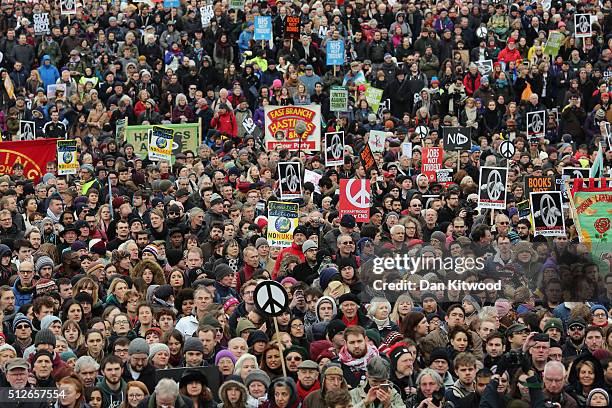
<point>130,283</point>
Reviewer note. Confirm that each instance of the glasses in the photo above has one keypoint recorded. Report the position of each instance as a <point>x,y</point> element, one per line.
<point>135,396</point>
<point>503,223</point>
<point>249,293</point>
<point>22,327</point>
<point>576,328</point>
<point>297,326</point>
<point>599,315</point>
<point>26,271</point>
<point>121,351</point>
<point>347,243</point>
<point>173,213</point>
<point>294,358</point>
<point>121,321</point>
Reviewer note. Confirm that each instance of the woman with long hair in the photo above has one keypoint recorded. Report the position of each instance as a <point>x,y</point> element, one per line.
<point>103,219</point>
<point>402,307</point>
<point>194,385</point>
<point>223,53</point>
<point>93,346</point>
<point>73,334</point>
<point>415,326</point>
<point>117,293</point>
<point>271,361</point>
<point>73,392</point>
<point>174,340</point>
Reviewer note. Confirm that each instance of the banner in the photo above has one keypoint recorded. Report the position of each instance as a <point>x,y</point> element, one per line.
<point>456,138</point>
<point>314,178</point>
<point>67,157</point>
<point>41,23</point>
<point>407,149</point>
<point>583,25</point>
<point>444,176</point>
<point>431,161</point>
<point>172,3</point>
<point>373,96</point>
<point>290,180</point>
<point>334,149</point>
<point>485,67</point>
<point>27,130</point>
<point>280,124</point>
<point>492,191</point>
<point>376,140</point>
<point>206,14</point>
<point>536,184</point>
<point>160,143</point>
<point>355,199</point>
<point>536,124</point>
<point>186,137</point>
<point>282,221</point>
<point>68,7</point>
<point>33,155</point>
<point>335,52</point>
<point>236,4</point>
<point>553,44</point>
<point>292,28</point>
<point>263,28</point>
<point>367,158</point>
<point>547,213</point>
<point>120,129</point>
<point>338,99</point>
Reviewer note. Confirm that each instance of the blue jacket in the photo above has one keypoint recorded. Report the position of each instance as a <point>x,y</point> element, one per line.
<point>48,73</point>
<point>244,41</point>
<point>22,297</point>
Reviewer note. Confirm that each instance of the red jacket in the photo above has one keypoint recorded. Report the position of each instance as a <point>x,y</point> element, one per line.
<point>471,83</point>
<point>225,124</point>
<point>294,249</point>
<point>506,55</point>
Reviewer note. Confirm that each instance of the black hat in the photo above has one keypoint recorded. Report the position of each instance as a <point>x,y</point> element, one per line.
<point>334,327</point>
<point>191,376</point>
<point>300,230</point>
<point>349,297</point>
<point>348,221</point>
<point>222,270</point>
<point>68,228</point>
<point>439,353</point>
<point>255,336</point>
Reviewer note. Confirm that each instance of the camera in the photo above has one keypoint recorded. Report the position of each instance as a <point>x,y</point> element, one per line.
<point>514,358</point>
<point>437,397</point>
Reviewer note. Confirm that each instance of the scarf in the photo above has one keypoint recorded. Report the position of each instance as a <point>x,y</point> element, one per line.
<point>381,324</point>
<point>359,363</point>
<point>303,392</point>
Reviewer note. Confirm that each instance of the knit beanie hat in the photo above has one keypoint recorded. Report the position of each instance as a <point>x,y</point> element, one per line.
<point>255,336</point>
<point>395,352</point>
<point>193,344</point>
<point>21,318</point>
<point>598,391</point>
<point>67,355</point>
<point>44,336</point>
<point>225,354</point>
<point>48,320</point>
<point>156,348</point>
<point>257,375</point>
<point>42,262</point>
<point>138,346</point>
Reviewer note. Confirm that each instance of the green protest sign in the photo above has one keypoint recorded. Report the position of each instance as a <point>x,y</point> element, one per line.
<point>373,96</point>
<point>338,99</point>
<point>553,44</point>
<point>186,137</point>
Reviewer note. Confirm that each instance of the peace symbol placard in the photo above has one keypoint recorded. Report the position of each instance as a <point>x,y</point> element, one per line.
<point>547,213</point>
<point>492,191</point>
<point>290,180</point>
<point>507,149</point>
<point>334,149</point>
<point>271,298</point>
<point>536,124</point>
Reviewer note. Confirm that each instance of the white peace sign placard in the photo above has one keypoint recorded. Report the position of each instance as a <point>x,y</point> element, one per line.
<point>336,147</point>
<point>549,211</point>
<point>271,298</point>
<point>358,195</point>
<point>422,131</point>
<point>507,149</point>
<point>495,186</point>
<point>291,178</point>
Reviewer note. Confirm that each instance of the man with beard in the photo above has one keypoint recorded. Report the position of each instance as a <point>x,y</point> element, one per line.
<point>574,345</point>
<point>523,228</point>
<point>138,368</point>
<point>494,347</point>
<point>215,236</point>
<point>355,355</point>
<point>71,265</point>
<point>87,370</point>
<point>402,369</point>
<point>331,380</point>
<point>307,271</point>
<point>113,387</point>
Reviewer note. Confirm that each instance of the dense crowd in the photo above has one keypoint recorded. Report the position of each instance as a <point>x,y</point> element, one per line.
<point>130,283</point>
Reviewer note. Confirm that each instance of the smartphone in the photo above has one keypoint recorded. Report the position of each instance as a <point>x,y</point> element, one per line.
<point>379,178</point>
<point>385,387</point>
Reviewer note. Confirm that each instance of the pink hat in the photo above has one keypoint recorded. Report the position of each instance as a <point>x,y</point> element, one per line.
<point>277,84</point>
<point>229,303</point>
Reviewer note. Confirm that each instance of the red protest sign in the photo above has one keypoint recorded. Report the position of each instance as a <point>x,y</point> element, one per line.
<point>355,199</point>
<point>431,162</point>
<point>33,155</point>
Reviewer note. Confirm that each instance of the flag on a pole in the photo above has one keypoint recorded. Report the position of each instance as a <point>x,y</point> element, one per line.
<point>598,164</point>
